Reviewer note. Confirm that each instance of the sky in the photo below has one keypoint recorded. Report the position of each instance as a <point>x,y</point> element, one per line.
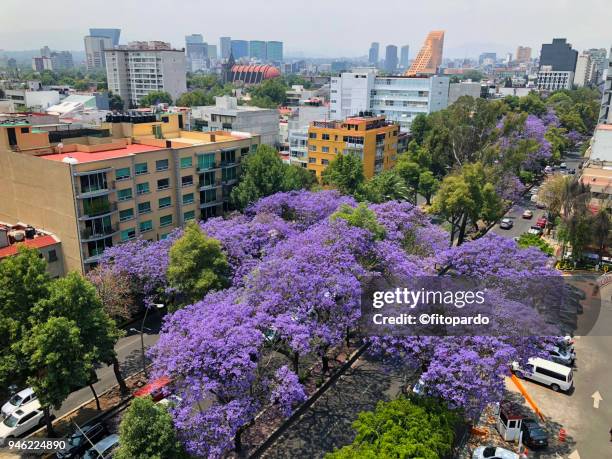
<point>314,28</point>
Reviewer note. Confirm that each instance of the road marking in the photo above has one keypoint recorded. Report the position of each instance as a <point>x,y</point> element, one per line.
<point>574,455</point>
<point>596,399</point>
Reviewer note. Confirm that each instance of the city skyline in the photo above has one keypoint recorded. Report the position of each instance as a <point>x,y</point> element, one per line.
<point>564,21</point>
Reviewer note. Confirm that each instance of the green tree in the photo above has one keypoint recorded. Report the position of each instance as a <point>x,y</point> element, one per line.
<point>428,185</point>
<point>345,173</point>
<point>156,97</point>
<point>58,362</point>
<point>575,230</point>
<point>195,98</point>
<point>361,217</point>
<point>410,172</point>
<point>197,264</point>
<point>532,104</point>
<point>264,173</point>
<point>115,102</point>
<point>23,282</point>
<point>600,230</point>
<point>402,428</point>
<point>385,186</point>
<point>419,127</point>
<point>147,432</point>
<point>533,240</point>
<point>269,94</point>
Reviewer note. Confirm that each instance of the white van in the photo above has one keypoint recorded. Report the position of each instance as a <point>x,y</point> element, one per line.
<point>558,377</point>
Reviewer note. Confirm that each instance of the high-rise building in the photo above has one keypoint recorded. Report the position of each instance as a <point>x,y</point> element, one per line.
<point>196,51</point>
<point>113,34</point>
<point>94,51</point>
<point>554,80</point>
<point>121,183</point>
<point>136,70</point>
<point>258,50</point>
<point>391,59</point>
<point>586,70</point>
<point>399,98</point>
<point>599,58</point>
<point>429,58</point>
<point>225,45</point>
<point>487,58</point>
<point>45,51</point>
<point>61,60</point>
<point>404,57</point>
<point>240,48</point>
<point>372,138</point>
<point>275,51</point>
<point>212,51</point>
<point>605,114</point>
<point>41,63</point>
<point>373,54</point>
<point>523,54</point>
<point>559,56</point>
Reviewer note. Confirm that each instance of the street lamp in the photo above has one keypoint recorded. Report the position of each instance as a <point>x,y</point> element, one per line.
<point>144,363</point>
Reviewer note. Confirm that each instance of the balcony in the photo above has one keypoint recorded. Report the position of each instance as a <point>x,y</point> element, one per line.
<point>229,181</point>
<point>355,146</point>
<point>91,234</point>
<point>209,186</point>
<point>229,162</point>
<point>92,192</point>
<point>208,167</point>
<point>216,202</point>
<point>97,210</point>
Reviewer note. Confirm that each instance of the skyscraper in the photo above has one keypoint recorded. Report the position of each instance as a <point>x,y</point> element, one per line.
<point>487,58</point>
<point>404,56</point>
<point>275,51</point>
<point>430,55</point>
<point>113,34</point>
<point>240,48</point>
<point>212,52</point>
<point>523,54</point>
<point>225,45</point>
<point>196,51</point>
<point>94,51</point>
<point>373,53</point>
<point>258,50</point>
<point>558,55</point>
<point>391,59</point>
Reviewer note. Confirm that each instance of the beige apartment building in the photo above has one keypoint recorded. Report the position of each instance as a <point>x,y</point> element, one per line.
<point>137,176</point>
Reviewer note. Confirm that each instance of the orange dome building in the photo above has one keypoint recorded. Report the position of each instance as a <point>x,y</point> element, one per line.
<point>252,74</point>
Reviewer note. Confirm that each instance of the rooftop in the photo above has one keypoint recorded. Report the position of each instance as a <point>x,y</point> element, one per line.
<point>87,157</point>
<point>40,240</point>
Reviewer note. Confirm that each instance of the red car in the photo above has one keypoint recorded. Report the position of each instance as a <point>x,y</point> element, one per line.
<point>541,222</point>
<point>155,389</point>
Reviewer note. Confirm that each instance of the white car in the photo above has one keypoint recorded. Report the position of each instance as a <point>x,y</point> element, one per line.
<point>492,452</point>
<point>22,420</point>
<point>18,400</point>
<point>563,166</point>
<point>563,356</point>
<point>419,387</point>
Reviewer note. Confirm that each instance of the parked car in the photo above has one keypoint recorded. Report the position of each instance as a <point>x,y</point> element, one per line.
<point>548,170</point>
<point>155,389</point>
<point>540,205</point>
<point>563,166</point>
<point>527,213</point>
<point>563,356</point>
<point>572,171</point>
<point>22,420</point>
<point>556,376</point>
<point>534,190</point>
<point>535,230</point>
<point>541,222</point>
<point>170,400</point>
<point>493,452</point>
<point>419,387</point>
<point>103,449</point>
<point>18,400</point>
<point>81,440</point>
<point>506,224</point>
<point>534,436</point>
<point>534,198</point>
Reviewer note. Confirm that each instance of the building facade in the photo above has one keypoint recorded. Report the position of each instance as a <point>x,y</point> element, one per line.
<point>559,56</point>
<point>240,49</point>
<point>113,34</point>
<point>404,57</point>
<point>196,52</point>
<point>134,177</point>
<point>605,115</point>
<point>373,54</point>
<point>586,71</point>
<point>135,71</point>
<point>258,50</point>
<point>225,45</point>
<point>391,59</point>
<point>371,138</point>
<point>523,54</point>
<point>94,51</point>
<point>274,51</point>
<point>429,58</point>
<point>552,80</point>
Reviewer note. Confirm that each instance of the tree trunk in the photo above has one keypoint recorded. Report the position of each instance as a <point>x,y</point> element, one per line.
<point>325,362</point>
<point>47,414</point>
<point>348,337</point>
<point>95,394</point>
<point>428,199</point>
<point>238,442</point>
<point>119,376</point>
<point>461,235</point>
<point>295,360</point>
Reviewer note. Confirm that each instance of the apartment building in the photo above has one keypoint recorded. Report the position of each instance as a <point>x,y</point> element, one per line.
<point>399,98</point>
<point>370,137</point>
<point>554,80</point>
<point>94,51</point>
<point>140,68</point>
<point>136,176</point>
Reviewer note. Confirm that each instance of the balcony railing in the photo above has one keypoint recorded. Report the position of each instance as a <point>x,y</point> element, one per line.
<point>90,234</point>
<point>229,162</point>
<point>98,209</point>
<point>208,167</point>
<point>207,186</point>
<point>88,192</point>
<point>213,203</point>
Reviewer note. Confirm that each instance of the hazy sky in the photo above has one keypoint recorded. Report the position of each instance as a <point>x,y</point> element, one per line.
<point>314,27</point>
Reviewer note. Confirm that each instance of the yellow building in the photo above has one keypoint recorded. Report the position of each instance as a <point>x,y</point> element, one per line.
<point>138,176</point>
<point>371,138</point>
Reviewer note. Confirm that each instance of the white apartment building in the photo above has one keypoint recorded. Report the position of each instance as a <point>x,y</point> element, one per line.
<point>32,100</point>
<point>298,146</point>
<point>136,70</point>
<point>605,115</point>
<point>553,80</point>
<point>94,51</point>
<point>463,88</point>
<point>399,98</point>
<point>586,70</point>
<point>227,115</point>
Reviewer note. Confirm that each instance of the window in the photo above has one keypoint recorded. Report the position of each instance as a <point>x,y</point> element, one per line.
<point>325,149</point>
<point>228,157</point>
<point>142,188</point>
<point>145,226</point>
<point>163,184</point>
<point>228,174</point>
<point>187,180</point>
<point>244,151</point>
<point>165,202</point>
<point>186,162</point>
<point>126,214</point>
<point>312,147</point>
<point>125,194</point>
<point>312,160</point>
<point>141,168</point>
<point>123,173</point>
<point>165,220</point>
<point>312,135</point>
<point>206,161</point>
<point>128,234</point>
<point>325,162</point>
<point>144,207</point>
<point>188,198</point>
<point>325,136</point>
<point>161,165</point>
<point>189,215</point>
<point>52,256</point>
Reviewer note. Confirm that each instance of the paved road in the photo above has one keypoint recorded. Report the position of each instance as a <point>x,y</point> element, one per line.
<point>129,354</point>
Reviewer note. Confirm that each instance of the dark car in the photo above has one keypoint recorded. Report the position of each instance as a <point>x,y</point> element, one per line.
<point>81,440</point>
<point>506,224</point>
<point>533,434</point>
